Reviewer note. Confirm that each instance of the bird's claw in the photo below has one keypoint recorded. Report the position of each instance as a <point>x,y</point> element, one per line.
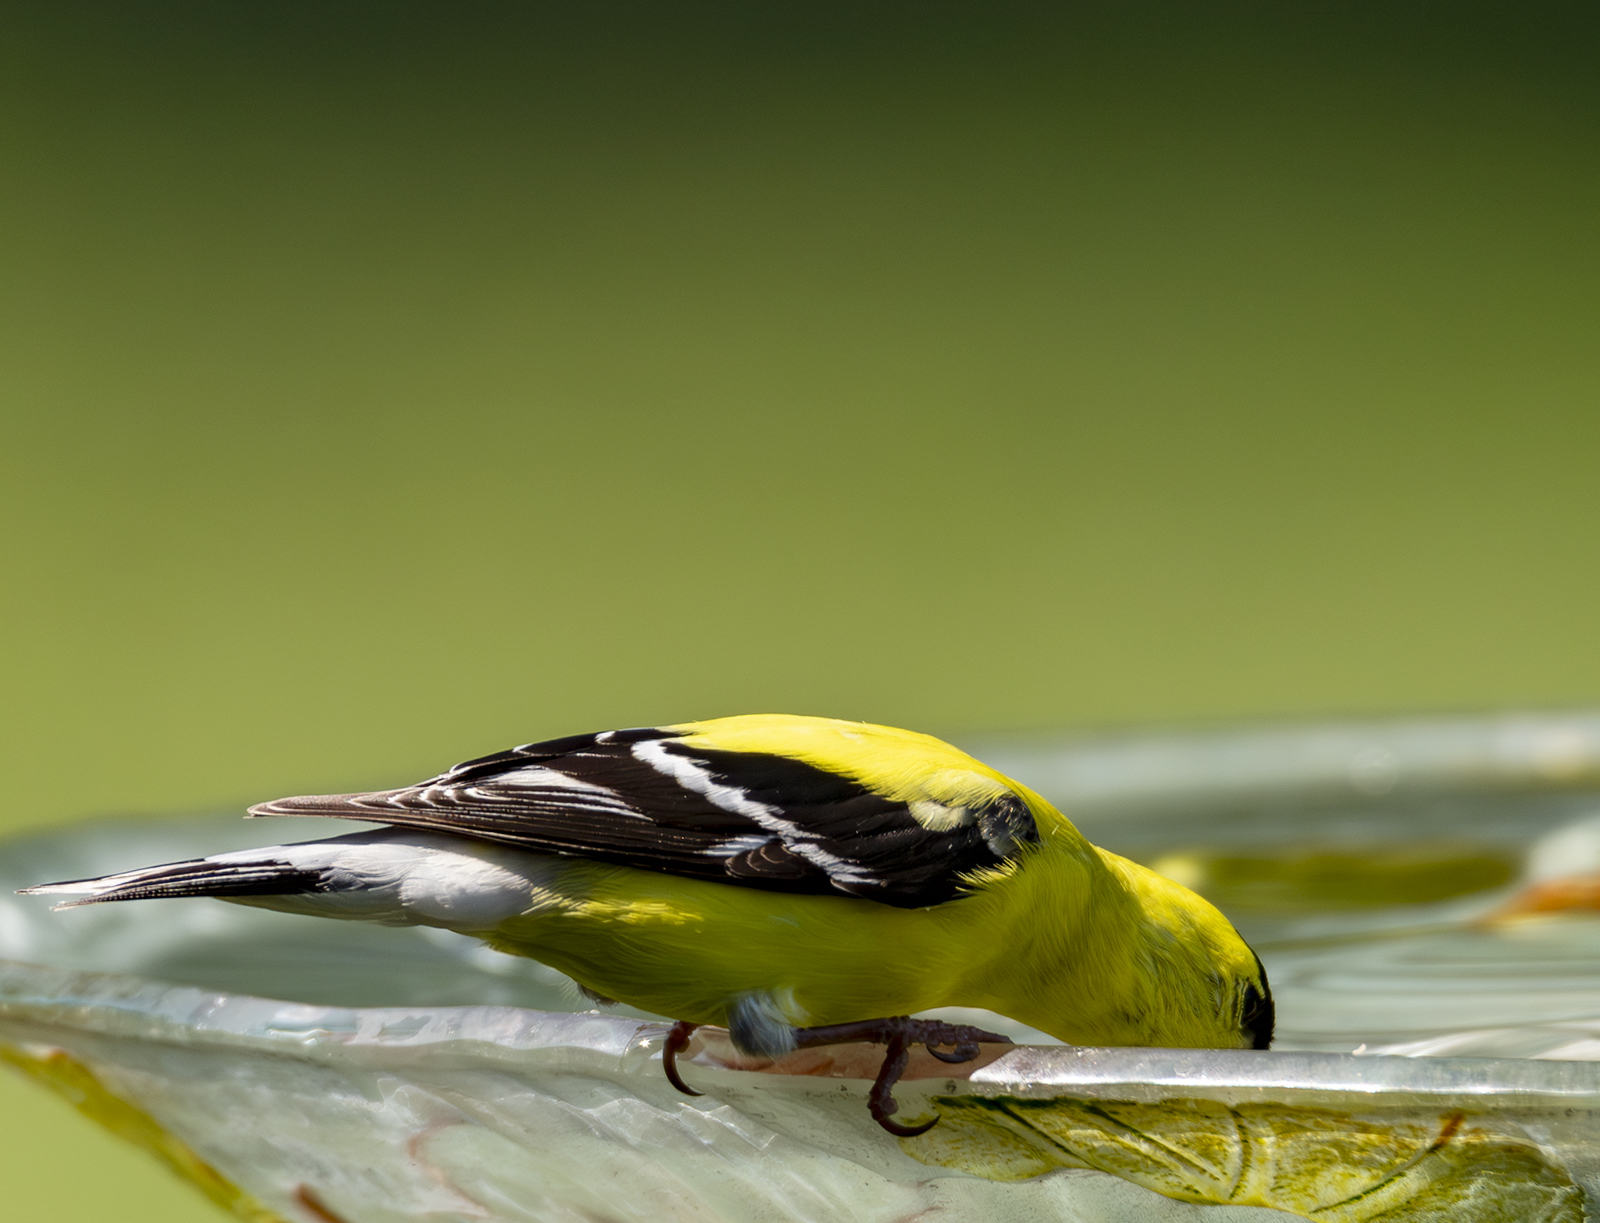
<point>963,1052</point>
<point>899,1033</point>
<point>677,1041</point>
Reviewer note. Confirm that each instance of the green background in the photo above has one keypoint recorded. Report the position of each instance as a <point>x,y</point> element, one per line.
<point>384,385</point>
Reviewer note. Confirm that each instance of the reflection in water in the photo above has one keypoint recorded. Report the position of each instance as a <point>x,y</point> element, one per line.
<point>1309,879</point>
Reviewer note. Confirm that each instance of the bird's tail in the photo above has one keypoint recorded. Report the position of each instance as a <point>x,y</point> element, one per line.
<point>389,875</point>
<point>262,874</point>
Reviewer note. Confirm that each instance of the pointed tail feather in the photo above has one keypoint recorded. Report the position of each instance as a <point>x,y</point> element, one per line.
<point>376,805</point>
<point>195,877</point>
<point>387,875</point>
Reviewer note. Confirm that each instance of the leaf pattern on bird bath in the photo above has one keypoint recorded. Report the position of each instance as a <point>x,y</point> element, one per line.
<point>1406,1166</point>
<point>60,1072</point>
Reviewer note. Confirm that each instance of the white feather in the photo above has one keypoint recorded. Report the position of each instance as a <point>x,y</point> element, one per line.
<point>694,776</point>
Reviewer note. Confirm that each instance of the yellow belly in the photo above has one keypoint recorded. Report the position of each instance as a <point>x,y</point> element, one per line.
<point>687,948</point>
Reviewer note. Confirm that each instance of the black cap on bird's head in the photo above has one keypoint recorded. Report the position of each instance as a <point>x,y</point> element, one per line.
<point>1257,1015</point>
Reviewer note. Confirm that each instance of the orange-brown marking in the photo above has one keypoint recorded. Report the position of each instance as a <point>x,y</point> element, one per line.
<point>311,1202</point>
<point>1572,893</point>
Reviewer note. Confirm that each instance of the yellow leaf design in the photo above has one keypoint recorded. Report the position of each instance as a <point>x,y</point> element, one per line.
<point>1421,1166</point>
<point>76,1083</point>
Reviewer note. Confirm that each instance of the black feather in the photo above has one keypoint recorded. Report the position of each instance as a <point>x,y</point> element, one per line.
<point>199,877</point>
<point>810,830</point>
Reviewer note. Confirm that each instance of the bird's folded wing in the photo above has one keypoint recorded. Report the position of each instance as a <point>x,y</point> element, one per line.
<point>645,799</point>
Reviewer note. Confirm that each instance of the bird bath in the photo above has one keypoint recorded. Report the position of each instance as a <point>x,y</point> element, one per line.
<point>1439,1023</point>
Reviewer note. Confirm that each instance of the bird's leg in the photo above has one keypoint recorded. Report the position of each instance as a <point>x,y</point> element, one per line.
<point>677,1041</point>
<point>898,1033</point>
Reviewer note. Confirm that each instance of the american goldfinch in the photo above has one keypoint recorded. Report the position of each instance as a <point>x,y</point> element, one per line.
<point>798,880</point>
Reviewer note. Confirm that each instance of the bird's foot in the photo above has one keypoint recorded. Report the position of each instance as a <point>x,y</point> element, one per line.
<point>677,1041</point>
<point>899,1033</point>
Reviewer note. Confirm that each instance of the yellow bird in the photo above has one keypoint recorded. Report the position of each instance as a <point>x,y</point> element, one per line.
<point>798,880</point>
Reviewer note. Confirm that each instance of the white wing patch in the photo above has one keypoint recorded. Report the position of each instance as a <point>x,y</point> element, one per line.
<point>538,776</point>
<point>936,817</point>
<point>581,793</point>
<point>695,777</point>
<point>573,792</point>
<point>734,846</point>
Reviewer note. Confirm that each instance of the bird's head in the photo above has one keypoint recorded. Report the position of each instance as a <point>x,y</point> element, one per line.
<point>1205,987</point>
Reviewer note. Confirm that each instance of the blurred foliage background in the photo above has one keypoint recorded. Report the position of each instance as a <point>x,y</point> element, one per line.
<point>384,384</point>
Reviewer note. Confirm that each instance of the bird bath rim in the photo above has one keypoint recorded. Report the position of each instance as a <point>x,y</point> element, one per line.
<point>131,1006</point>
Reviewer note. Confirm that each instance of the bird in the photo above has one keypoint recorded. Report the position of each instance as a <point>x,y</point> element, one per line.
<point>799,881</point>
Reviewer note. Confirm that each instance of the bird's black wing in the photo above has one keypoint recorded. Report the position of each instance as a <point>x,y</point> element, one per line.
<point>643,799</point>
